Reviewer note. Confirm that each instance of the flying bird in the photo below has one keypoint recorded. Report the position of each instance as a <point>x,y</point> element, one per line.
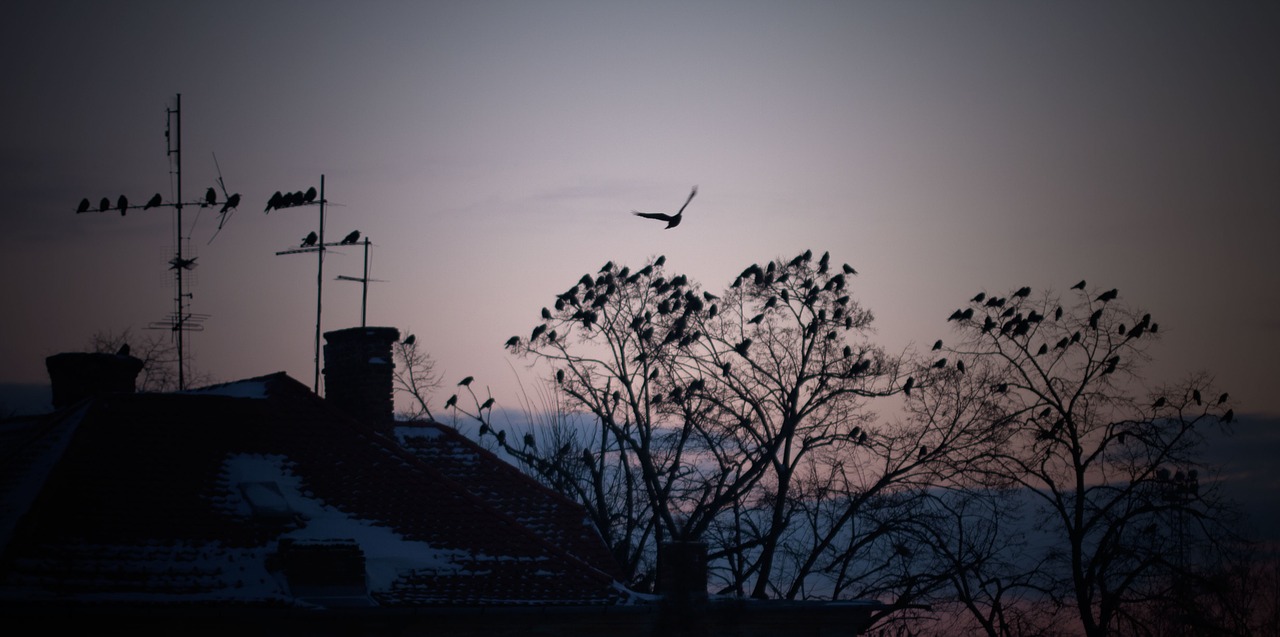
<point>351,238</point>
<point>310,239</point>
<point>672,220</point>
<point>84,206</point>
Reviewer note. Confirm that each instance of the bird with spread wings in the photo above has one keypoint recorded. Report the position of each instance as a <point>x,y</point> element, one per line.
<point>672,220</point>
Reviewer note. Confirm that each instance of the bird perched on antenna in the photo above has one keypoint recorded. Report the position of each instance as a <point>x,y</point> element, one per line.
<point>672,220</point>
<point>84,206</point>
<point>310,239</point>
<point>153,202</point>
<point>210,197</point>
<point>232,202</point>
<point>122,204</point>
<point>104,205</point>
<point>310,195</point>
<point>351,238</point>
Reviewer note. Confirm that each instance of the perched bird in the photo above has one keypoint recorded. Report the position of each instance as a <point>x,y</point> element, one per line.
<point>672,220</point>
<point>350,239</point>
<point>465,382</point>
<point>1222,399</point>
<point>1108,295</point>
<point>960,366</point>
<point>1159,403</point>
<point>924,451</point>
<point>453,400</point>
<point>942,362</point>
<point>310,239</point>
<point>124,350</point>
<point>1023,292</point>
<point>104,205</point>
<point>528,440</point>
<point>84,206</point>
<point>848,269</point>
<point>182,264</point>
<point>1229,416</point>
<point>1078,286</point>
<point>231,202</point>
<point>487,404</point>
<point>546,314</point>
<point>122,204</point>
<point>411,339</point>
<point>153,201</point>
<point>1044,348</point>
<point>741,348</point>
<point>906,387</point>
<point>978,298</point>
<point>1195,395</point>
<point>310,195</point>
<point>275,201</point>
<point>513,341</point>
<point>210,197</point>
<point>937,345</point>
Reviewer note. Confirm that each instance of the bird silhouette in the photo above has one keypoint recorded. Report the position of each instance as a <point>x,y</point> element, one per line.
<point>182,264</point>
<point>1078,286</point>
<point>153,201</point>
<point>466,381</point>
<point>741,348</point>
<point>906,387</point>
<point>231,202</point>
<point>1108,295</point>
<point>453,400</point>
<point>84,206</point>
<point>937,345</point>
<point>310,195</point>
<point>124,350</point>
<point>1222,399</point>
<point>210,197</point>
<point>513,341</point>
<point>1023,292</point>
<point>672,220</point>
<point>310,239</point>
<point>104,205</point>
<point>350,239</point>
<point>122,204</point>
<point>411,339</point>
<point>275,201</point>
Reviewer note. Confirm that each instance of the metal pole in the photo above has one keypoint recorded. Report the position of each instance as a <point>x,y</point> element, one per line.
<point>364,294</point>
<point>319,284</point>
<point>180,319</point>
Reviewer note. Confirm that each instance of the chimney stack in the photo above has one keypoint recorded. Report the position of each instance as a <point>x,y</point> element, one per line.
<point>358,373</point>
<point>79,375</point>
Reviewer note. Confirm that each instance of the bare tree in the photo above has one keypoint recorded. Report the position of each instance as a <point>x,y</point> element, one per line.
<point>1110,466</point>
<point>159,355</point>
<point>414,377</point>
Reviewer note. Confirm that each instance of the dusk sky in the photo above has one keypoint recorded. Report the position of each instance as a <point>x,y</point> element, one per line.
<point>493,152</point>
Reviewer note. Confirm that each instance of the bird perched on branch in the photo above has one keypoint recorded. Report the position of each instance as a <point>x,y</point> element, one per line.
<point>672,220</point>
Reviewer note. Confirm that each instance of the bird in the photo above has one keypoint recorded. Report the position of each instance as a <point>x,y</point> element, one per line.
<point>177,263</point>
<point>1222,399</point>
<point>1078,286</point>
<point>411,339</point>
<point>153,201</point>
<point>124,350</point>
<point>924,451</point>
<point>104,205</point>
<point>942,362</point>
<point>560,376</point>
<point>741,348</point>
<point>487,404</point>
<point>1108,295</point>
<point>453,400</point>
<point>1229,416</point>
<point>528,440</point>
<point>513,341</point>
<point>848,269</point>
<point>122,204</point>
<point>310,239</point>
<point>210,197</point>
<point>84,206</point>
<point>1044,348</point>
<point>546,314</point>
<point>906,387</point>
<point>937,345</point>
<point>275,201</point>
<point>1023,291</point>
<point>1159,403</point>
<point>1195,394</point>
<point>672,220</point>
<point>960,366</point>
<point>978,298</point>
<point>350,239</point>
<point>231,202</point>
<point>465,382</point>
<point>310,195</point>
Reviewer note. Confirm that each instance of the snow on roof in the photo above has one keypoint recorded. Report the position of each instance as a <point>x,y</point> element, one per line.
<point>251,388</point>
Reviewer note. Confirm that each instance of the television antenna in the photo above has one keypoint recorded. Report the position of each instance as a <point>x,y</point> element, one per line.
<point>364,281</point>
<point>181,320</point>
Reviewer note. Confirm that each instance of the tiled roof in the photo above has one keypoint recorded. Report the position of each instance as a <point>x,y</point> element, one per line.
<point>186,497</point>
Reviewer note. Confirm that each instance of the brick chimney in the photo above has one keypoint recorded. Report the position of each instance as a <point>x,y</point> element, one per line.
<point>79,375</point>
<point>358,372</point>
<point>682,572</point>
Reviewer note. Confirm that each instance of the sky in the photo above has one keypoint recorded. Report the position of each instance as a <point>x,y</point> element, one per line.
<point>492,153</point>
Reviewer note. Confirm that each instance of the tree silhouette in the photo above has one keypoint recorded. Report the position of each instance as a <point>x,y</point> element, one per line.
<point>1109,466</point>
